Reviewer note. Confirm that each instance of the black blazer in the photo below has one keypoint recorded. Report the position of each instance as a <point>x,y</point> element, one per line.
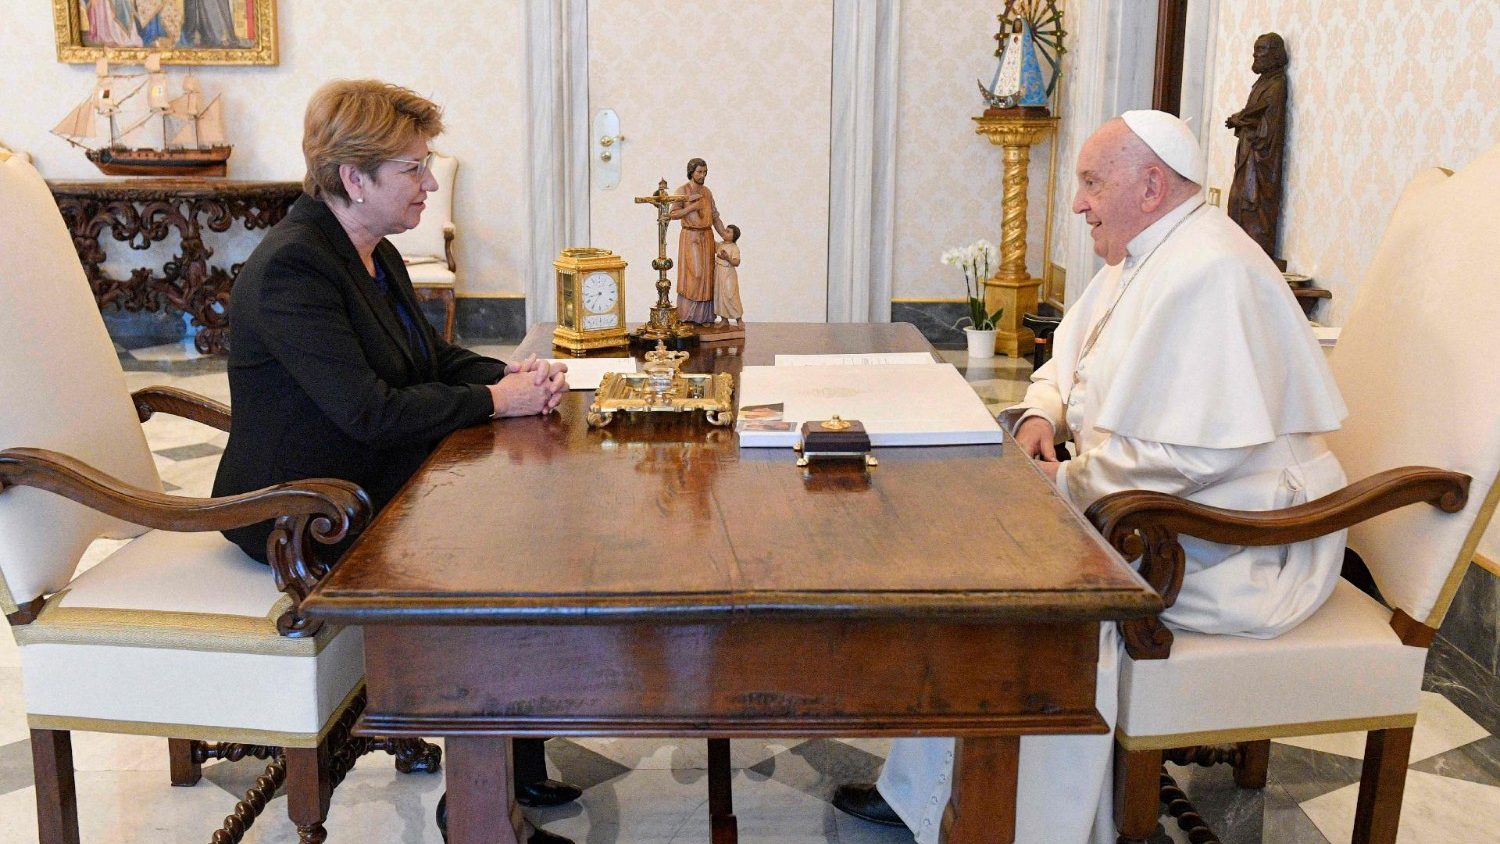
<point>322,379</point>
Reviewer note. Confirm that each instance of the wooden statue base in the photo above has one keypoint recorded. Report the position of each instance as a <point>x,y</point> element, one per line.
<point>720,332</point>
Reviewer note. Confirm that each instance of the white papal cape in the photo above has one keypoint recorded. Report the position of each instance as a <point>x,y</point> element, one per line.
<point>1204,382</point>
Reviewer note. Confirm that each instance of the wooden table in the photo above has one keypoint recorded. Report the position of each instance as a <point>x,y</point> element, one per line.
<point>539,578</point>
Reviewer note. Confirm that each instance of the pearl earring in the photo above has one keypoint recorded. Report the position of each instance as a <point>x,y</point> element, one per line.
<point>360,200</point>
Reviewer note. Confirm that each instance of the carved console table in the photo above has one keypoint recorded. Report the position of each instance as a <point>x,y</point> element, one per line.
<point>143,212</point>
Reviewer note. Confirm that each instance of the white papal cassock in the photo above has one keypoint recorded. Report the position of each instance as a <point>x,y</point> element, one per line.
<point>1204,382</point>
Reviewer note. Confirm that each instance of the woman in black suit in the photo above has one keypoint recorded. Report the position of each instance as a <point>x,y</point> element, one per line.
<point>333,371</point>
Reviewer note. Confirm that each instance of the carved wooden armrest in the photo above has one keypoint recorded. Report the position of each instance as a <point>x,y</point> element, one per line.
<point>321,509</point>
<point>449,230</point>
<point>153,400</point>
<point>1146,525</point>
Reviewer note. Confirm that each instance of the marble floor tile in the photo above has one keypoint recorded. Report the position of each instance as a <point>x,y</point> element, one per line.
<point>126,806</point>
<point>817,767</point>
<point>1306,774</point>
<point>1462,680</point>
<point>1435,810</point>
<point>875,746</point>
<point>571,761</point>
<point>165,431</point>
<point>1441,726</point>
<point>168,352</point>
<point>194,477</point>
<point>1283,822</point>
<point>15,766</point>
<point>645,806</point>
<point>1476,762</point>
<point>10,653</point>
<point>112,752</point>
<point>12,707</point>
<point>678,754</point>
<point>1239,815</point>
<point>1234,813</point>
<point>374,804</point>
<point>191,451</point>
<point>655,807</point>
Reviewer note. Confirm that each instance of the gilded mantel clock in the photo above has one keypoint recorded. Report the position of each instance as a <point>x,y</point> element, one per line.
<point>590,300</point>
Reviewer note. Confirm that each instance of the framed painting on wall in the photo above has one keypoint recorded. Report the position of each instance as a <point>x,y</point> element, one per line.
<point>182,31</point>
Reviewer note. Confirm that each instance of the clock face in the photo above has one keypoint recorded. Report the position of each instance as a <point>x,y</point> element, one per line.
<point>600,292</point>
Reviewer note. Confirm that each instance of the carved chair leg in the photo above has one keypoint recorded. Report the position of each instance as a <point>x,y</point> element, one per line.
<point>1181,810</point>
<point>1381,785</point>
<point>309,789</point>
<point>252,804</point>
<point>724,827</point>
<point>450,309</point>
<point>56,796</point>
<point>186,769</point>
<point>1137,793</point>
<point>1255,759</point>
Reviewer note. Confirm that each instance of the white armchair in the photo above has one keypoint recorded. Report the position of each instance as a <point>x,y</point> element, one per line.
<point>177,634</point>
<point>1415,363</point>
<point>428,248</point>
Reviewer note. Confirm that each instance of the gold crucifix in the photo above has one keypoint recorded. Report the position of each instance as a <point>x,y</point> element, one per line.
<point>664,326</point>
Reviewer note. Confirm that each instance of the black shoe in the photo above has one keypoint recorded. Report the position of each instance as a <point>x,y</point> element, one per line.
<point>863,801</point>
<point>546,793</point>
<point>538,835</point>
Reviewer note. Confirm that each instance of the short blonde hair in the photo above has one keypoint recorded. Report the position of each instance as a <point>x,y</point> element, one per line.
<point>360,122</point>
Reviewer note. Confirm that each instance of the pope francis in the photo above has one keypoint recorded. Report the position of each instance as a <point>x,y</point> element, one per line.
<point>1186,367</point>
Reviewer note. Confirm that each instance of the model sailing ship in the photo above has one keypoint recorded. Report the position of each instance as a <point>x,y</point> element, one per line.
<point>192,133</point>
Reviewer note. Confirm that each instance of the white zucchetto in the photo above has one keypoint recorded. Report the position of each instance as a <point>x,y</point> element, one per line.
<point>1171,139</point>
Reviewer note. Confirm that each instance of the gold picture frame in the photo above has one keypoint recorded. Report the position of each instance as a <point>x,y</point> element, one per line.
<point>89,30</point>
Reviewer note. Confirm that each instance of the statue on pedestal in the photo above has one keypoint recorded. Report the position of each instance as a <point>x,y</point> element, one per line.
<point>695,246</point>
<point>1030,36</point>
<point>1255,195</point>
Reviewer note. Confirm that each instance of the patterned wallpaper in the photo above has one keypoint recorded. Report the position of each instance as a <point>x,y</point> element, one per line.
<point>1378,92</point>
<point>745,87</point>
<point>948,178</point>
<point>469,57</point>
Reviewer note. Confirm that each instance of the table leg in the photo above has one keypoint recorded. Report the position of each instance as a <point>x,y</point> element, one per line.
<point>481,802</point>
<point>723,826</point>
<point>982,809</point>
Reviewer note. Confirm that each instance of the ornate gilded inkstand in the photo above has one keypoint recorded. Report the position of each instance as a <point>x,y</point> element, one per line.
<point>660,388</point>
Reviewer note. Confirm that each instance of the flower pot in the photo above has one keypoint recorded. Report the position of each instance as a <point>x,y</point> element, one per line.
<point>981,343</point>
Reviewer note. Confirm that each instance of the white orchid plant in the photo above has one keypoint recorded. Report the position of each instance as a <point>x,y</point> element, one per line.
<point>975,261</point>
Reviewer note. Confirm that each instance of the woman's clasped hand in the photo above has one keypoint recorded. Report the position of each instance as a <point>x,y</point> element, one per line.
<point>530,387</point>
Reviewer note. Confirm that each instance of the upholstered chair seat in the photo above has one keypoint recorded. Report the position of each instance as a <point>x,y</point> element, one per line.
<point>1415,366</point>
<point>428,249</point>
<point>1344,667</point>
<point>187,623</point>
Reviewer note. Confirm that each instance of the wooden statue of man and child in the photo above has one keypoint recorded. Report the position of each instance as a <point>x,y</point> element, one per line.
<point>708,284</point>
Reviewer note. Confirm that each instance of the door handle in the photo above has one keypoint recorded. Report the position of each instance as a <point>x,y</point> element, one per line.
<point>609,149</point>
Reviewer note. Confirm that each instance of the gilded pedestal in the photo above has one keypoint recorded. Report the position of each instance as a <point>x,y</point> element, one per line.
<point>1012,287</point>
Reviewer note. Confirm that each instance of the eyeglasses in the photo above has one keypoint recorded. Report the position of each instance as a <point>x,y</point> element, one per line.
<point>422,167</point>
